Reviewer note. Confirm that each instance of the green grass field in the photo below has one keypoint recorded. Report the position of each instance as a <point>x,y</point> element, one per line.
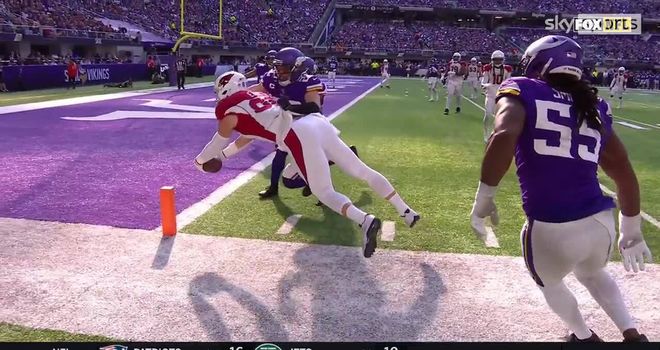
<point>14,98</point>
<point>13,333</point>
<point>434,162</point>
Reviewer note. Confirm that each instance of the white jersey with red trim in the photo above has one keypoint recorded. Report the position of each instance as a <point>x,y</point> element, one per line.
<point>473,71</point>
<point>455,71</point>
<point>258,114</point>
<point>385,69</point>
<point>493,76</point>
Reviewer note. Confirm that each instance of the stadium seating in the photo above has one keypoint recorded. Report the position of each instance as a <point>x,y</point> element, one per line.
<point>618,47</point>
<point>648,8</point>
<point>416,35</point>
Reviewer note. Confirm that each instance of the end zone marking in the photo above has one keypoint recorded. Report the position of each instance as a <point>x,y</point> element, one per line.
<point>633,126</point>
<point>388,231</point>
<point>196,210</point>
<point>645,215</point>
<point>288,225</point>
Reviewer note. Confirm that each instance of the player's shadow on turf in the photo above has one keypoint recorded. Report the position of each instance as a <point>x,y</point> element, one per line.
<point>209,284</point>
<point>348,303</point>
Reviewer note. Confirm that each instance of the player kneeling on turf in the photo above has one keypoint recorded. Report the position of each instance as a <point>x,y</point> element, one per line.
<point>311,140</point>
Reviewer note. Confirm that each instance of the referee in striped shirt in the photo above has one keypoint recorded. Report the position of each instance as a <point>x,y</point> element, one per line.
<point>181,73</point>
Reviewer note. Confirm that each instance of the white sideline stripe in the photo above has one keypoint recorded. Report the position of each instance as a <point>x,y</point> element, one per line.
<point>94,98</point>
<point>633,126</point>
<point>388,231</point>
<point>645,215</point>
<point>641,123</point>
<point>491,240</point>
<point>196,210</point>
<point>288,225</point>
<point>209,100</point>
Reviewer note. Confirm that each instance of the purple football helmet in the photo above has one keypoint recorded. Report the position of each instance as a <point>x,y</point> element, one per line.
<point>270,56</point>
<point>285,60</point>
<point>552,54</point>
<point>304,65</point>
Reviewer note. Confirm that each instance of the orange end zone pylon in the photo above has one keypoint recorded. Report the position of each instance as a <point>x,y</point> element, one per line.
<point>167,210</point>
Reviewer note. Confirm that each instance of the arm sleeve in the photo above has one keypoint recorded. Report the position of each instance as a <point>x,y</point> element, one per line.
<point>305,108</point>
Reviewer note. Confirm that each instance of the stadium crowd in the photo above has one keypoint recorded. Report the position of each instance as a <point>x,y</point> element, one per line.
<point>618,47</point>
<point>415,35</point>
<point>648,8</point>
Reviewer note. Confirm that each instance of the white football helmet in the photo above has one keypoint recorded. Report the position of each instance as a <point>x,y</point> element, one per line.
<point>622,69</point>
<point>456,57</point>
<point>473,60</point>
<point>497,58</point>
<point>385,60</point>
<point>229,83</point>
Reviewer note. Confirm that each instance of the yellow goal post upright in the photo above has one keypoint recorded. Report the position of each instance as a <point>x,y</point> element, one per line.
<point>185,35</point>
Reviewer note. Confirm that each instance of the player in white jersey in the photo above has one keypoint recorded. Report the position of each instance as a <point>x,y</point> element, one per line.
<point>455,75</point>
<point>493,75</point>
<point>385,74</point>
<point>473,77</point>
<point>618,85</point>
<point>310,139</point>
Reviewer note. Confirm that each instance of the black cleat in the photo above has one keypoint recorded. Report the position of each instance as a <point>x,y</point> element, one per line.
<point>268,192</point>
<point>592,339</point>
<point>388,86</point>
<point>446,111</point>
<point>370,229</point>
<point>306,192</point>
<point>458,109</point>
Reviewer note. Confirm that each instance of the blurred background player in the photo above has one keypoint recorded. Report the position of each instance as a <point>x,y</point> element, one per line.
<point>618,86</point>
<point>261,68</point>
<point>312,141</point>
<point>455,75</point>
<point>432,79</point>
<point>570,222</point>
<point>385,74</point>
<point>493,75</point>
<point>303,91</point>
<point>473,77</point>
<point>332,71</point>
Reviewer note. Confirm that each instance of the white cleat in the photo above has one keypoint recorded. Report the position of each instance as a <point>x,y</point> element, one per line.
<point>431,100</point>
<point>370,228</point>
<point>410,217</point>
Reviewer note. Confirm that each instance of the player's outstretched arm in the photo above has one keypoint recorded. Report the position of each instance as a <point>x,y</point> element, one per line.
<point>509,123</point>
<point>235,147</point>
<point>251,73</point>
<point>219,141</point>
<point>614,161</point>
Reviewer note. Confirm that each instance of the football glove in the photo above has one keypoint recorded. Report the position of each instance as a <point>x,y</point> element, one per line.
<point>632,246</point>
<point>483,207</point>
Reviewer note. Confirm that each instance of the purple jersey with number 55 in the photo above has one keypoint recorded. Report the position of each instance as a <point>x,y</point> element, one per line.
<point>557,160</point>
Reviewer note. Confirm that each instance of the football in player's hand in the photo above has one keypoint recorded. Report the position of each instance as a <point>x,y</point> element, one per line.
<point>212,166</point>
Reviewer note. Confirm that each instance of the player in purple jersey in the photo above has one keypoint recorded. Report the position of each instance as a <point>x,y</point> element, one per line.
<point>262,67</point>
<point>297,91</point>
<point>560,132</point>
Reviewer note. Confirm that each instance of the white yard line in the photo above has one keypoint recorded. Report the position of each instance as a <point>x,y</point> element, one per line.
<point>635,121</point>
<point>632,126</point>
<point>645,215</point>
<point>289,224</point>
<point>388,231</point>
<point>94,98</point>
<point>198,209</point>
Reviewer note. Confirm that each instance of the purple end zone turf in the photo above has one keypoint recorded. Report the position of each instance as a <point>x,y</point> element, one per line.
<point>109,172</point>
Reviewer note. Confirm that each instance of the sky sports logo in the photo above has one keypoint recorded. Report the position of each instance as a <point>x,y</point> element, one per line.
<point>597,24</point>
